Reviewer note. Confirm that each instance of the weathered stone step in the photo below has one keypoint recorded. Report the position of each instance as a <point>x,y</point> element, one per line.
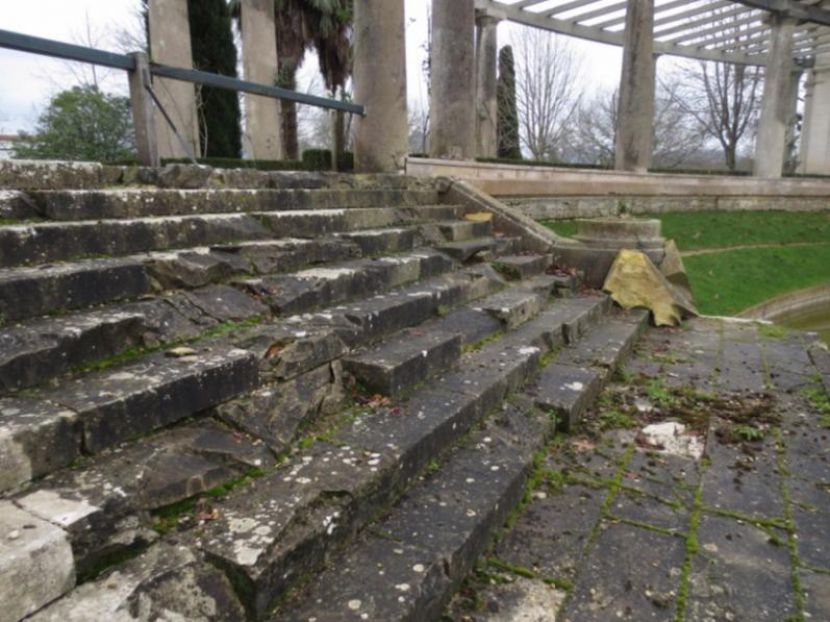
<point>68,205</point>
<point>104,503</point>
<point>284,525</point>
<point>48,242</point>
<point>92,412</point>
<point>523,266</point>
<point>407,566</point>
<point>58,241</point>
<point>30,292</point>
<point>44,349</point>
<point>568,386</point>
<point>375,242</point>
<point>405,361</point>
<point>303,291</point>
<point>465,250</point>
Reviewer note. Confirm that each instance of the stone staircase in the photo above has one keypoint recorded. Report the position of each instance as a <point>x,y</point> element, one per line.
<point>233,395</point>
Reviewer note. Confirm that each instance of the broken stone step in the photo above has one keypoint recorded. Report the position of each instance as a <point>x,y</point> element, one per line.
<point>59,241</point>
<point>513,307</point>
<point>36,564</point>
<point>120,403</point>
<point>375,242</point>
<point>285,525</point>
<point>68,205</point>
<point>30,292</point>
<point>313,224</point>
<point>104,504</point>
<point>580,313</point>
<point>566,392</point>
<point>197,267</point>
<point>608,343</point>
<point>408,565</point>
<point>405,361</point>
<point>16,205</point>
<point>306,290</point>
<point>40,350</point>
<point>508,245</point>
<point>456,231</point>
<point>518,267</point>
<point>465,250</point>
<point>166,580</point>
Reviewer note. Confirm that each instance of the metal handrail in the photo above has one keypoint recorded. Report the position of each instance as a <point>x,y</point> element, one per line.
<point>67,51</point>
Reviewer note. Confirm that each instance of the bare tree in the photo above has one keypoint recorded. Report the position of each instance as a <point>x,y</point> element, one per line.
<point>547,91</point>
<point>677,135</point>
<point>725,99</point>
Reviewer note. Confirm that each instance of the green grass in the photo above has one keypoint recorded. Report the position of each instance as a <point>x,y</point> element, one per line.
<point>697,230</point>
<point>727,283</point>
<point>715,229</point>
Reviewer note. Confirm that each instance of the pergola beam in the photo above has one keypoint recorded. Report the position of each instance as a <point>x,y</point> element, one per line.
<point>697,31</point>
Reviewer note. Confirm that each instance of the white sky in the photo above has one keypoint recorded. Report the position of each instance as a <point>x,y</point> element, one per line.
<point>27,81</point>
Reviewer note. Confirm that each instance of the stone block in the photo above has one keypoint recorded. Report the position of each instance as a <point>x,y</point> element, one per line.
<point>567,391</point>
<point>36,564</point>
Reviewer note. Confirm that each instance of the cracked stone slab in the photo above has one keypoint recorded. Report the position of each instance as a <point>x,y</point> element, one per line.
<point>634,575</point>
<point>739,574</point>
<point>36,564</point>
<point>165,583</point>
<point>283,525</point>
<point>608,344</point>
<point>276,413</point>
<point>523,266</point>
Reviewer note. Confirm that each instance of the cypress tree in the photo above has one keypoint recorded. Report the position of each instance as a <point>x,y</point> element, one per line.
<point>211,36</point>
<point>507,123</point>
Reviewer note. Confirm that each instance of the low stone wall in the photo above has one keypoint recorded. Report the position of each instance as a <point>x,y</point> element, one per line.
<point>557,208</point>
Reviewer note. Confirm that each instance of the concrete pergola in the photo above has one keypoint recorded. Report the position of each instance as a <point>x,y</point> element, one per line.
<point>787,37</point>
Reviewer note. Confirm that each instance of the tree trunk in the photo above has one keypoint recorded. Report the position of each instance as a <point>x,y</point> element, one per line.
<point>290,140</point>
<point>731,158</point>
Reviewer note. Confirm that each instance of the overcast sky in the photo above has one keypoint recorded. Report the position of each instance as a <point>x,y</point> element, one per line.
<point>27,81</point>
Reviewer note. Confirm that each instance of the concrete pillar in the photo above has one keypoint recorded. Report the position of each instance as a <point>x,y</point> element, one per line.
<point>815,130</point>
<point>770,146</point>
<point>263,117</point>
<point>452,75</point>
<point>790,154</point>
<point>635,116</point>
<point>170,45</point>
<point>487,52</point>
<point>381,137</point>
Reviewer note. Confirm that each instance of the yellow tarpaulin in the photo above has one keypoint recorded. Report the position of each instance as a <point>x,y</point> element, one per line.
<point>634,281</point>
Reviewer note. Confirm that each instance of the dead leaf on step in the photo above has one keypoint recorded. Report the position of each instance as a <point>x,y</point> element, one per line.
<point>479,217</point>
<point>273,350</point>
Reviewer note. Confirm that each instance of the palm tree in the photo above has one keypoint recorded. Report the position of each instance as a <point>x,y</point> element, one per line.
<point>322,25</point>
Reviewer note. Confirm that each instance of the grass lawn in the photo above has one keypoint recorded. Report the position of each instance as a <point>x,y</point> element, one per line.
<point>695,230</point>
<point>728,282</point>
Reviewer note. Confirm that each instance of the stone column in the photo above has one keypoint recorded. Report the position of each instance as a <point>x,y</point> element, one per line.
<point>452,73</point>
<point>487,52</point>
<point>770,145</point>
<point>170,45</point>
<point>382,136</point>
<point>815,131</point>
<point>635,117</point>
<point>263,120</point>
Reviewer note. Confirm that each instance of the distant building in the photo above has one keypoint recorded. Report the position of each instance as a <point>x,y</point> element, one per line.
<point>7,144</point>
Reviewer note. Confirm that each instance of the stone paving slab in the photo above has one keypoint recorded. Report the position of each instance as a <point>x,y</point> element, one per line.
<point>632,524</point>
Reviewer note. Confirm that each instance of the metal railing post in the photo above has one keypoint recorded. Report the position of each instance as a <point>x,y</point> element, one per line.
<point>143,111</point>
